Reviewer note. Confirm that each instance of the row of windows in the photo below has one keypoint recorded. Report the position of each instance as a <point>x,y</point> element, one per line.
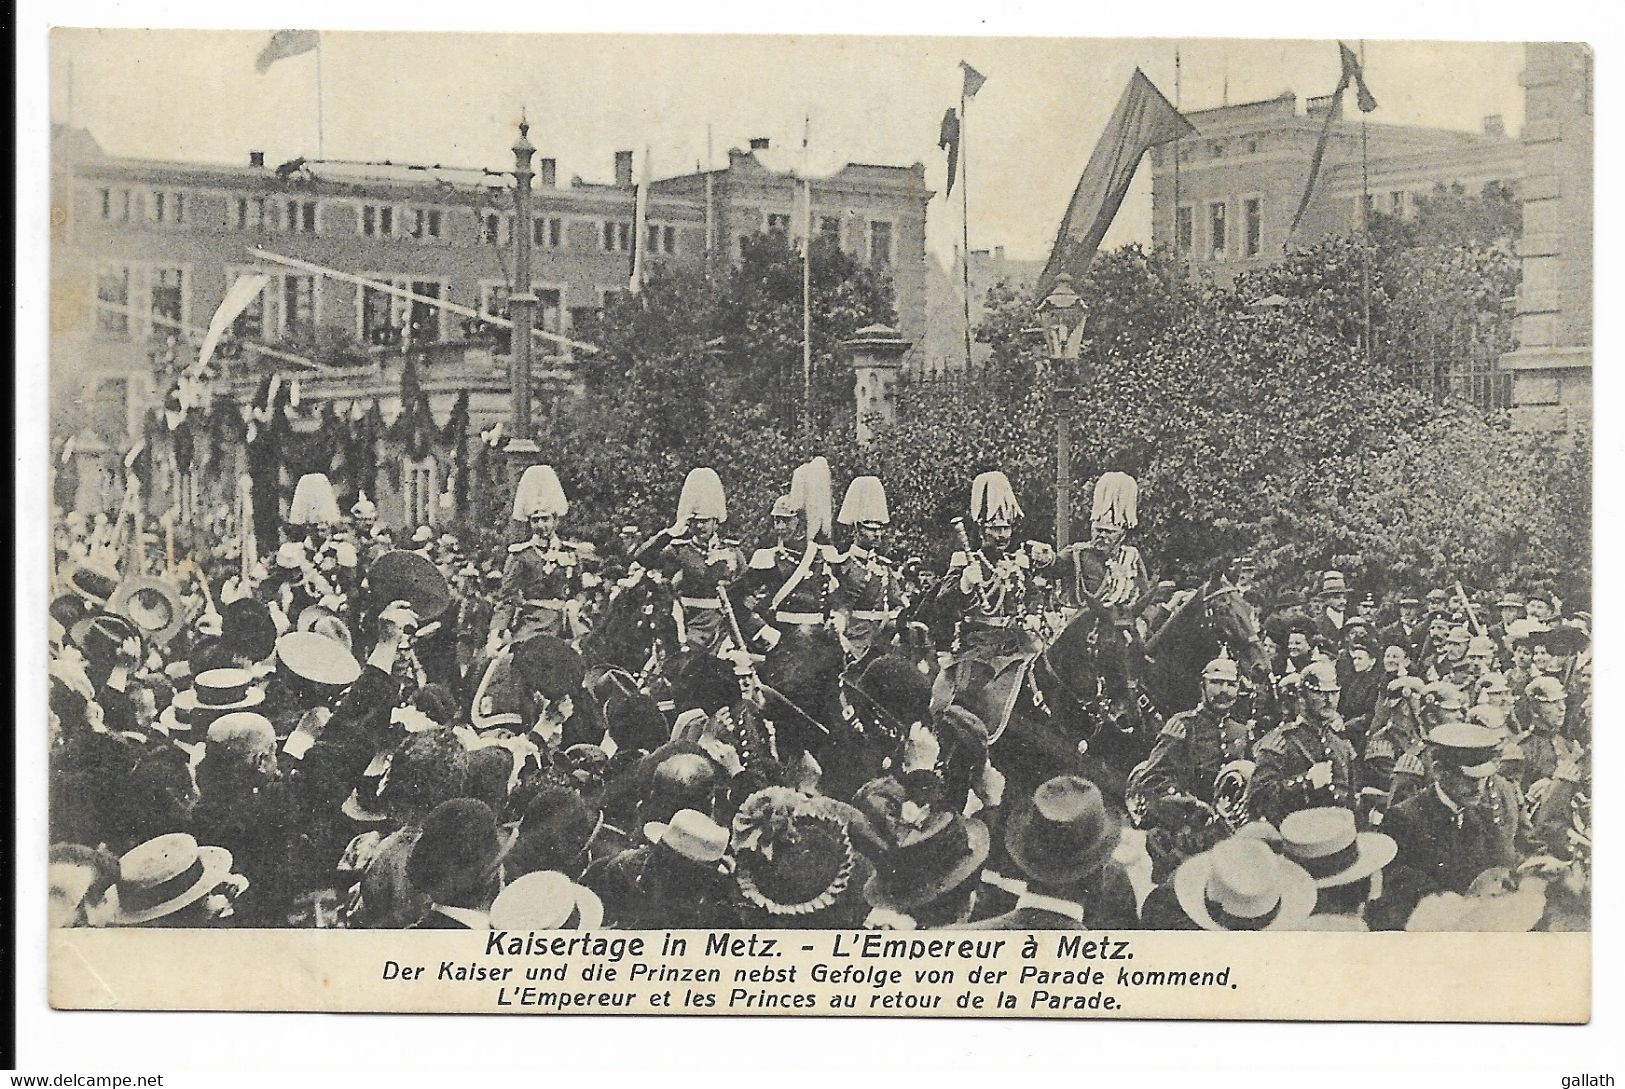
<point>135,299</point>
<point>1220,243</point>
<point>882,251</point>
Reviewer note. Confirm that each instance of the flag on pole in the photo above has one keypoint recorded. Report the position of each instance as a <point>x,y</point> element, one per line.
<point>242,292</point>
<point>1142,120</point>
<point>285,44</point>
<point>1351,73</point>
<point>949,140</point>
<point>640,216</point>
<point>973,81</point>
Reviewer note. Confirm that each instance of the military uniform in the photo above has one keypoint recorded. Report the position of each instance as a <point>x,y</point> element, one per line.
<point>541,584</point>
<point>1280,783</point>
<point>696,569</point>
<point>1449,845</point>
<point>1395,764</point>
<point>993,614</point>
<point>1192,749</point>
<point>789,585</point>
<point>868,595</point>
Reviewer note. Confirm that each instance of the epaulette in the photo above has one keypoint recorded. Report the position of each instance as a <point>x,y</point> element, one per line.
<point>1273,742</point>
<point>764,559</point>
<point>1379,746</point>
<point>1174,728</point>
<point>519,546</point>
<point>1409,764</point>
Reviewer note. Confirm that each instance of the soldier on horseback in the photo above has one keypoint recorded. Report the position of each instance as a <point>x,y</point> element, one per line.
<point>542,581</point>
<point>869,591</point>
<point>1105,566</point>
<point>788,584</point>
<point>700,562</point>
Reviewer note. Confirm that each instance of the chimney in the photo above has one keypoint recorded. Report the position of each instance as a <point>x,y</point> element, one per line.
<point>623,169</point>
<point>256,158</point>
<point>998,254</point>
<point>549,173</point>
<point>759,143</point>
<point>1495,126</point>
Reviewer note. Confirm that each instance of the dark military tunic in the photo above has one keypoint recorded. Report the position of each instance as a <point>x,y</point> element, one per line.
<point>539,584</point>
<point>1280,783</point>
<point>992,614</point>
<point>868,595</point>
<point>1192,749</point>
<point>1449,845</point>
<point>696,569</point>
<point>789,588</point>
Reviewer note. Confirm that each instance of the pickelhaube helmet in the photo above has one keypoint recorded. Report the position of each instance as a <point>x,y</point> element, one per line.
<point>1320,677</point>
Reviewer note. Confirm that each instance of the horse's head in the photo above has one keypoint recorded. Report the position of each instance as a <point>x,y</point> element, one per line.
<point>1235,624</point>
<point>1090,666</point>
<point>636,617</point>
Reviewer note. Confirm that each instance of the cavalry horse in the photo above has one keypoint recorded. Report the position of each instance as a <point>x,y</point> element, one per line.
<point>1216,615</point>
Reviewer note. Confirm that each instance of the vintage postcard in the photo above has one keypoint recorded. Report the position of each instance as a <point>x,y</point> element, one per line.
<point>916,527</point>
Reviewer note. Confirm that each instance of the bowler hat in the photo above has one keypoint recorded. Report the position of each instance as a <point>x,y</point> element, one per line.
<point>1064,834</point>
<point>459,849</point>
<point>247,629</point>
<point>548,665</point>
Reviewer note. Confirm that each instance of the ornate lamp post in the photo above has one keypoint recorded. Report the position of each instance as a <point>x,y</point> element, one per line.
<point>521,305</point>
<point>1062,315</point>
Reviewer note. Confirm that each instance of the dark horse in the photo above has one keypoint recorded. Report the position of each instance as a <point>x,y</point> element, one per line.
<point>1215,616</point>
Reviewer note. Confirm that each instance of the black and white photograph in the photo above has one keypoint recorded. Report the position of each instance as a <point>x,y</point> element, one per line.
<point>890,491</point>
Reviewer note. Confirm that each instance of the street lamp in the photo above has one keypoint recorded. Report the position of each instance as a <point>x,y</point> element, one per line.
<point>521,303</point>
<point>1063,314</point>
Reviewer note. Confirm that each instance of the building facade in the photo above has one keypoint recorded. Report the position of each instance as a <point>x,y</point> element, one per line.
<point>145,250</point>
<point>1225,198</point>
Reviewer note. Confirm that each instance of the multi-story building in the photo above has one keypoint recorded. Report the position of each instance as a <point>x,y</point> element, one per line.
<point>1225,197</point>
<point>141,248</point>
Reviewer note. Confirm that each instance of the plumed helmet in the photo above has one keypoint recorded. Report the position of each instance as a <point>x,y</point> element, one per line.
<point>993,501</point>
<point>1116,503</point>
<point>702,496</point>
<point>539,492</point>
<point>865,503</point>
<point>812,493</point>
<point>314,503</point>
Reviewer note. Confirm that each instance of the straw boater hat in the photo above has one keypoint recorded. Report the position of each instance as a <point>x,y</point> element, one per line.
<point>547,900</point>
<point>865,504</point>
<point>317,659</point>
<point>1116,502</point>
<point>314,503</point>
<point>1324,842</point>
<point>1332,582</point>
<point>702,496</point>
<point>164,875</point>
<point>1243,885</point>
<point>217,692</point>
<point>690,834</point>
<point>993,501</point>
<point>539,492</point>
<point>93,582</point>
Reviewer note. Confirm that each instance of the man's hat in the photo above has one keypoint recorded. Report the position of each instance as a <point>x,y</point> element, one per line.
<point>785,507</point>
<point>459,850</point>
<point>1064,834</point>
<point>1541,595</point>
<point>539,492</point>
<point>557,828</point>
<point>314,503</point>
<point>94,583</point>
<point>1221,668</point>
<point>993,501</point>
<point>410,577</point>
<point>1560,641</point>
<point>164,875</point>
<point>865,503</point>
<point>546,901</point>
<point>690,834</point>
<point>928,861</point>
<point>1459,635</point>
<point>1438,595</point>
<point>216,692</point>
<point>1241,884</point>
<point>1474,749</point>
<point>892,690</point>
<point>1332,582</point>
<point>1511,599</point>
<point>1481,644</point>
<point>1494,681</point>
<point>247,629</point>
<point>364,507</point>
<point>1321,677</point>
<point>1116,502</point>
<point>702,496</point>
<point>1326,844</point>
<point>1514,912</point>
<point>317,659</point>
<point>1411,599</point>
<point>1520,631</point>
<point>1445,695</point>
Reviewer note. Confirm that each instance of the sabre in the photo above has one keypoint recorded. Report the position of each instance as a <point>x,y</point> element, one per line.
<point>1468,605</point>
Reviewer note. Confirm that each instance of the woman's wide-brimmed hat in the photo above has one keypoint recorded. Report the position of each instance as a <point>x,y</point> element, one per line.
<point>1326,844</point>
<point>929,861</point>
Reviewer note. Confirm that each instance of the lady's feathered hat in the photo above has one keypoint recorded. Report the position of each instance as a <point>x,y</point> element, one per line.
<point>993,501</point>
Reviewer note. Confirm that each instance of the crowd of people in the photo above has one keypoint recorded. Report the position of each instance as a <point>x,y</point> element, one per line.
<point>371,727</point>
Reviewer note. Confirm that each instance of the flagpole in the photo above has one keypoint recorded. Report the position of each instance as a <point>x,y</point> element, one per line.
<point>1365,221</point>
<point>806,283</point>
<point>318,95</point>
<point>964,209</point>
<point>1178,253</point>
